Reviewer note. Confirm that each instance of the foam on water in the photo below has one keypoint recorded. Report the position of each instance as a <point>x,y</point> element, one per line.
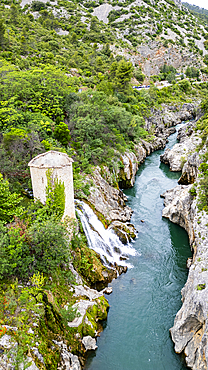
<point>103,241</point>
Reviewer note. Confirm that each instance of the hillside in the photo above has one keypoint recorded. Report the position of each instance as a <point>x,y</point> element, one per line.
<point>146,33</point>
<point>67,72</point>
<point>201,13</point>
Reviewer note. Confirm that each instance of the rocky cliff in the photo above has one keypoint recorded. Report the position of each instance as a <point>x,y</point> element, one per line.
<point>134,26</point>
<point>109,203</point>
<point>189,332</point>
<point>105,197</point>
<point>72,345</point>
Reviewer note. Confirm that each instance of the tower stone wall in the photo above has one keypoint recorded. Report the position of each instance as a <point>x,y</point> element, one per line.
<point>61,168</point>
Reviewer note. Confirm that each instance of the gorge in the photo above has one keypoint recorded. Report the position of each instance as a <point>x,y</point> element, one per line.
<point>160,267</point>
<point>106,84</point>
<point>145,300</point>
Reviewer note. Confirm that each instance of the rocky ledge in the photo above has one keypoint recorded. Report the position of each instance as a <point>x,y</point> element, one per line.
<point>189,332</point>
<point>177,157</point>
<point>91,308</point>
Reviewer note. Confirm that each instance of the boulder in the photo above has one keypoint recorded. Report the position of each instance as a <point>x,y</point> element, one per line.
<point>89,343</point>
<point>178,155</point>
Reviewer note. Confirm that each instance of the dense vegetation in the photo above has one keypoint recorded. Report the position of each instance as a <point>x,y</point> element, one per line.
<point>62,88</point>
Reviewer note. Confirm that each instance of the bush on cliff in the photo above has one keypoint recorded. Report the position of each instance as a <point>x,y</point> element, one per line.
<point>41,247</point>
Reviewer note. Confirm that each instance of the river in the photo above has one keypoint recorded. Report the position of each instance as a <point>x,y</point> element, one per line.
<point>146,299</point>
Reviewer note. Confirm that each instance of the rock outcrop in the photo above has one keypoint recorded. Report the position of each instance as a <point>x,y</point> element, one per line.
<point>91,307</point>
<point>190,169</point>
<point>68,360</point>
<point>170,116</point>
<point>89,343</point>
<point>162,122</point>
<point>106,199</point>
<point>8,353</point>
<point>181,156</point>
<point>189,332</point>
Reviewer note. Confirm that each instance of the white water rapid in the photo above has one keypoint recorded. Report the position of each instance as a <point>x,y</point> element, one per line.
<point>103,241</point>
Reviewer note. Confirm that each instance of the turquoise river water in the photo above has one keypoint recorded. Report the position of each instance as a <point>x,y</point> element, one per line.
<point>146,299</point>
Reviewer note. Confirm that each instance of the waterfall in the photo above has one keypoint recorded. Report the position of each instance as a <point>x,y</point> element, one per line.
<point>103,241</point>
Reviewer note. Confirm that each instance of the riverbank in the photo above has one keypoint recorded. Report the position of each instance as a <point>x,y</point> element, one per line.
<point>145,300</point>
<point>108,202</point>
<point>189,332</point>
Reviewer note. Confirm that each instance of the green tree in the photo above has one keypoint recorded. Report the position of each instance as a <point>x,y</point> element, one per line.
<point>171,77</point>
<point>18,147</point>
<point>37,6</point>
<point>106,50</point>
<point>42,247</point>
<point>74,38</point>
<point>206,59</point>
<point>113,69</point>
<point>9,202</point>
<point>99,64</point>
<point>62,133</point>
<point>185,85</point>
<point>2,32</point>
<point>120,74</point>
<point>139,75</point>
<point>124,74</point>
<point>192,72</point>
<point>94,24</point>
<point>14,13</point>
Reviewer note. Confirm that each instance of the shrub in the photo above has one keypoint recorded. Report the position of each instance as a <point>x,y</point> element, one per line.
<point>9,202</point>
<point>62,133</point>
<point>192,190</point>
<point>37,6</point>
<point>184,85</point>
<point>201,286</point>
<point>42,247</point>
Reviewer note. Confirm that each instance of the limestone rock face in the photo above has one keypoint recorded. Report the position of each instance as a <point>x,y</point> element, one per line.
<point>178,155</point>
<point>190,169</point>
<point>82,307</point>
<point>126,232</point>
<point>170,116</point>
<point>108,201</point>
<point>183,156</point>
<point>131,161</point>
<point>89,343</point>
<point>162,121</point>
<point>189,332</point>
<point>85,291</point>
<point>8,362</point>
<point>128,172</point>
<point>140,153</point>
<point>177,202</point>
<point>68,360</point>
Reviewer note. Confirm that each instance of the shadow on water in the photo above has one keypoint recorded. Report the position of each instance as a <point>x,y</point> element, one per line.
<point>171,175</point>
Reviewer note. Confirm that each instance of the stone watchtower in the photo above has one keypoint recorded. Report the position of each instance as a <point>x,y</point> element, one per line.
<point>61,166</point>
